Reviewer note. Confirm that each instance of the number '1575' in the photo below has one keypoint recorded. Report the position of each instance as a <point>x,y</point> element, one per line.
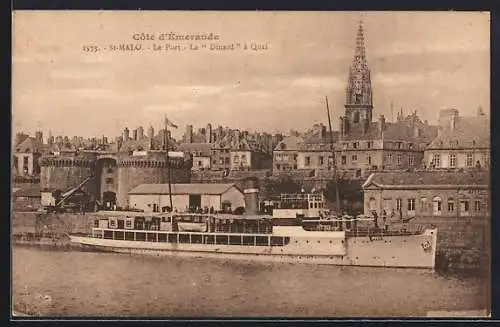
<point>90,48</point>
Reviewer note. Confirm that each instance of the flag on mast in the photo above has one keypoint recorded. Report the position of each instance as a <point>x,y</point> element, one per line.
<point>169,123</point>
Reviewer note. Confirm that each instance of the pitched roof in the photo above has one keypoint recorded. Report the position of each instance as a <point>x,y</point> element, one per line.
<point>469,132</point>
<point>194,148</point>
<point>212,189</point>
<point>423,179</point>
<point>29,144</point>
<point>289,143</point>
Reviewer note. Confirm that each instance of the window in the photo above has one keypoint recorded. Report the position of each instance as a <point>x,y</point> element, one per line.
<point>369,144</point>
<point>453,160</point>
<point>109,180</point>
<point>372,204</point>
<point>369,160</point>
<point>389,156</point>
<point>109,170</point>
<point>398,159</point>
<point>387,205</point>
<point>25,160</point>
<point>226,160</point>
<point>411,204</point>
<point>477,206</point>
<point>398,204</point>
<point>321,160</point>
<point>464,207</point>
<point>436,161</point>
<point>451,205</point>
<point>308,161</point>
<point>469,160</point>
<point>236,159</point>
<point>356,114</point>
<point>354,158</point>
<point>355,145</point>
<point>345,145</point>
<point>436,206</point>
<point>411,160</point>
<point>423,204</point>
<point>344,160</point>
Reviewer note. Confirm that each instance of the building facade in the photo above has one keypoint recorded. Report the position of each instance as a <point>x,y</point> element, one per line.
<point>26,155</point>
<point>285,155</point>
<point>428,194</point>
<point>155,197</point>
<point>462,143</point>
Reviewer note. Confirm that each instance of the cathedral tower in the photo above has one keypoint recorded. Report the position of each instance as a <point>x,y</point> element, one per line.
<point>359,104</point>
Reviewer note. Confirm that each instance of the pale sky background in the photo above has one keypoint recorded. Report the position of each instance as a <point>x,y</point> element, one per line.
<point>420,61</point>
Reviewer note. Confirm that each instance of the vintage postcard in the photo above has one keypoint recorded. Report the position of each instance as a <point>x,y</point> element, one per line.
<point>250,164</point>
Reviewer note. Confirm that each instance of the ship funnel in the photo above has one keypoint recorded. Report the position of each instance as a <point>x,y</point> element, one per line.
<point>251,191</point>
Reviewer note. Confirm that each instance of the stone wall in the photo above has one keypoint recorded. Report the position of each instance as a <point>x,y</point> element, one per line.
<point>462,243</point>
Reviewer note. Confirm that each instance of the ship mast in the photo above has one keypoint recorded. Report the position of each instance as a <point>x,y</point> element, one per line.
<point>167,141</point>
<point>334,161</point>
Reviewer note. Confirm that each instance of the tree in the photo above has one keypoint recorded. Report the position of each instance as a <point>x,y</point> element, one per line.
<point>350,193</point>
<point>283,185</point>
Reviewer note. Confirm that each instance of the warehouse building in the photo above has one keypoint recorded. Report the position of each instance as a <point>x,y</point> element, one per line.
<point>217,197</point>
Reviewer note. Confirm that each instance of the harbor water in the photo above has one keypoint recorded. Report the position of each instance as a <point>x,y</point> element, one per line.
<point>69,283</point>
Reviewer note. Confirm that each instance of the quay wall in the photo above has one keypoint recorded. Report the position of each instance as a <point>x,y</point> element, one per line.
<point>462,244</point>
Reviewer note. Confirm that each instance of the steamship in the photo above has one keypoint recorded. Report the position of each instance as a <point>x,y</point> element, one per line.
<point>300,230</point>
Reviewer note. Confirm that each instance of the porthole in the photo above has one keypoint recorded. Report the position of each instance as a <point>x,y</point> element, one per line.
<point>331,242</point>
<point>342,241</point>
<point>357,258</point>
<point>319,241</point>
<point>307,241</point>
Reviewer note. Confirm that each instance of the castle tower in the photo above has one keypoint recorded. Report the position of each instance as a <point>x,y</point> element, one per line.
<point>359,104</point>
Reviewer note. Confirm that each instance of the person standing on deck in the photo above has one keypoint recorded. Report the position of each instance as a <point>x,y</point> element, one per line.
<point>384,219</point>
<point>375,218</point>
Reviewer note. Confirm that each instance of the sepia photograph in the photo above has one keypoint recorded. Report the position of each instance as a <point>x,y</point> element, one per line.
<point>250,164</point>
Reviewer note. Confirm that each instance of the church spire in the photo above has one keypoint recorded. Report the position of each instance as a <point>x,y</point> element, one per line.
<point>359,89</point>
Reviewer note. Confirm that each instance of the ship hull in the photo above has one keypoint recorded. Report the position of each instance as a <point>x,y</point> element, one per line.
<point>412,251</point>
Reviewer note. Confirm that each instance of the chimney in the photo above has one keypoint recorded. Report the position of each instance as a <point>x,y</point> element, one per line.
<point>209,134</point>
<point>323,131</point>
<point>381,124</point>
<point>445,118</point>
<point>151,132</point>
<point>126,134</point>
<point>416,132</point>
<point>134,134</point>
<point>140,133</point>
<point>453,122</point>
<point>39,136</point>
<point>119,142</point>
<point>188,137</point>
<point>251,192</point>
<point>341,126</point>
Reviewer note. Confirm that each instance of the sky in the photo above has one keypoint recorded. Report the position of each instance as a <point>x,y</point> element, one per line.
<point>423,61</point>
